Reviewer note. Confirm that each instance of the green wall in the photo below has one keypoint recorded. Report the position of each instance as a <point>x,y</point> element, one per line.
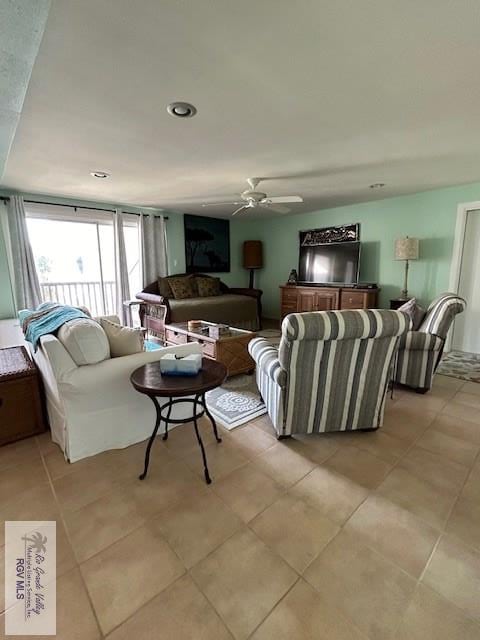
<point>430,216</point>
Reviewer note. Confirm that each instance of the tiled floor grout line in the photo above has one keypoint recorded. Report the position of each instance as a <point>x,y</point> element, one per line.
<point>341,527</point>
<point>419,580</point>
<point>372,492</point>
<point>284,490</point>
<point>182,562</point>
<point>77,564</point>
<point>344,617</point>
<point>444,531</point>
<point>273,608</point>
<point>187,571</point>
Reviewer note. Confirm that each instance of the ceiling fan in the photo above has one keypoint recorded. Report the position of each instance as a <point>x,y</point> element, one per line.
<point>250,199</point>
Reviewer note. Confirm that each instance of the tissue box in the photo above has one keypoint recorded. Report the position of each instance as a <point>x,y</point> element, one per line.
<point>172,365</point>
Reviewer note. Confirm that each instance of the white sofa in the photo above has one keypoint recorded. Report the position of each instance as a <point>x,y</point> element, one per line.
<point>94,408</point>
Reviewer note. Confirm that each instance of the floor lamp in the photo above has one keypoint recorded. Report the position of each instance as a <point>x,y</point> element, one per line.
<point>406,249</point>
<point>252,258</point>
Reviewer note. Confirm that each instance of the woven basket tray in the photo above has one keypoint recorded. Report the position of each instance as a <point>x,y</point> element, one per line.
<point>15,363</point>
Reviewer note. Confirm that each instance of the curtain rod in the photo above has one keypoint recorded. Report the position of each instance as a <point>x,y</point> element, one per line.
<point>75,206</point>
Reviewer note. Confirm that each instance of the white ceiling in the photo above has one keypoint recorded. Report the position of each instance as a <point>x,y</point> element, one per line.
<point>21,31</point>
<point>321,97</point>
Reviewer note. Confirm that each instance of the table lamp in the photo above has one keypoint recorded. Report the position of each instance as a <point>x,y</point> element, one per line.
<point>252,257</point>
<point>406,249</point>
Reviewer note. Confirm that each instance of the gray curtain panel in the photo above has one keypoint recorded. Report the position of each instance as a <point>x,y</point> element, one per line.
<point>122,287</point>
<point>27,288</point>
<point>154,247</point>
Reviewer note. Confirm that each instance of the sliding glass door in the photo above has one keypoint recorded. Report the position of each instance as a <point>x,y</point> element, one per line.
<point>75,256</point>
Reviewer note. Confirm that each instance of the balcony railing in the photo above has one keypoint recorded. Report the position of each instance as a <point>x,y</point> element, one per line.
<point>98,300</point>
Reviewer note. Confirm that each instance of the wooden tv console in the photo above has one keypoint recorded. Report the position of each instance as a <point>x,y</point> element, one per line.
<point>299,298</point>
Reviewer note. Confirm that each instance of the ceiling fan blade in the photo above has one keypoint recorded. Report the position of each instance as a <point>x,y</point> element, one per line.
<point>281,199</point>
<point>218,204</point>
<point>240,209</point>
<point>278,208</point>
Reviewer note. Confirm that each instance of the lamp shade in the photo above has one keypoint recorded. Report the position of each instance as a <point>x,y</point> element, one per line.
<point>252,254</point>
<point>406,248</point>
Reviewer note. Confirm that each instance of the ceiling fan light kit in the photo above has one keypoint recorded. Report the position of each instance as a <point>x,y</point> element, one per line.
<point>99,174</point>
<point>251,199</point>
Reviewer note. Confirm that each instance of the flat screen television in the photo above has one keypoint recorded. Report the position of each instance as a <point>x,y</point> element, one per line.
<point>330,263</point>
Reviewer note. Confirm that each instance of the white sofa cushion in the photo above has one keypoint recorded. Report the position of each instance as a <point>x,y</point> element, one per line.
<point>85,341</point>
<point>124,341</point>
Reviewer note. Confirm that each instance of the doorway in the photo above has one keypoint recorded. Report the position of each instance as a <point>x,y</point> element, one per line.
<point>466,331</point>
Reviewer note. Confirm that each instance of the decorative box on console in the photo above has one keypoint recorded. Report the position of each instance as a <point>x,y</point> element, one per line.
<point>172,365</point>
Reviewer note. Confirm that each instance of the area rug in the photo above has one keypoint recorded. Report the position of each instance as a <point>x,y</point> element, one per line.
<point>459,364</point>
<point>236,402</point>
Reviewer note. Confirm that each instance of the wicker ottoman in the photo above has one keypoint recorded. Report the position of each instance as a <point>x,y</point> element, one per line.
<point>21,409</point>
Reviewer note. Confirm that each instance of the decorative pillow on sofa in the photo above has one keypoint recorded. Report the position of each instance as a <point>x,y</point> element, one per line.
<point>415,311</point>
<point>164,288</point>
<point>85,341</point>
<point>183,287</point>
<point>124,341</point>
<point>208,287</point>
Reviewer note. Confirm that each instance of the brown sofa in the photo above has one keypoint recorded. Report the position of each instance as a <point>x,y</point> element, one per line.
<point>238,307</point>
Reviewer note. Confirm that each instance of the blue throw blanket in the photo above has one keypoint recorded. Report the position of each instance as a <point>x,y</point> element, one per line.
<point>47,318</point>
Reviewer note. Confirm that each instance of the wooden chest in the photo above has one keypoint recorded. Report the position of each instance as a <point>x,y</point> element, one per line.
<point>21,408</point>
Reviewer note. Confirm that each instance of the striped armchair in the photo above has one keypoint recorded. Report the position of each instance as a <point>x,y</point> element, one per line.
<point>331,370</point>
<point>420,351</point>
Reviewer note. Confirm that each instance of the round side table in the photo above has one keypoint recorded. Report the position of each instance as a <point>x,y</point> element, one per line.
<point>149,380</point>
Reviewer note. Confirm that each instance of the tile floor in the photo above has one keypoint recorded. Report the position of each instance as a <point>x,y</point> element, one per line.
<point>364,536</point>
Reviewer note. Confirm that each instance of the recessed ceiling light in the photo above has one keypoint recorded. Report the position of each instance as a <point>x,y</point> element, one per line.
<point>181,109</point>
<point>99,174</point>
<point>377,185</point>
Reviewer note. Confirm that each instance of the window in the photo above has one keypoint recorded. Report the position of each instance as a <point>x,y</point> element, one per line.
<point>75,255</point>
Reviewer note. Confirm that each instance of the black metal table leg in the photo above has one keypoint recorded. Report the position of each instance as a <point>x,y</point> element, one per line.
<point>152,437</point>
<point>202,448</point>
<point>203,402</point>
<point>199,409</point>
<point>167,419</point>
